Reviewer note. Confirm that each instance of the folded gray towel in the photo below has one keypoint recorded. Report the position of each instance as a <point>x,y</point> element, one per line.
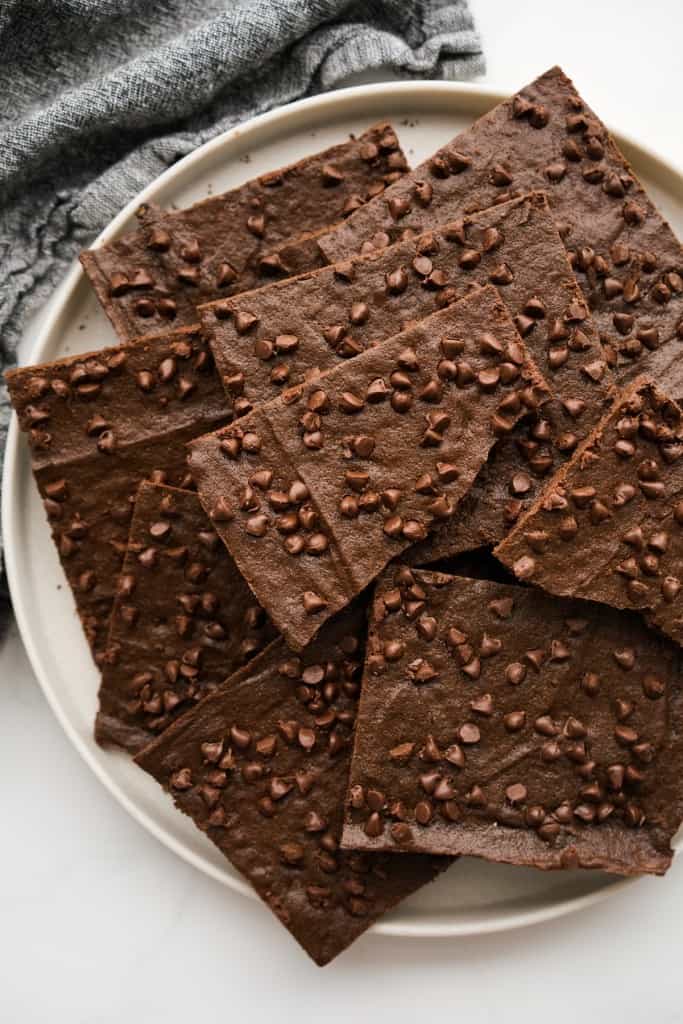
<point>98,97</point>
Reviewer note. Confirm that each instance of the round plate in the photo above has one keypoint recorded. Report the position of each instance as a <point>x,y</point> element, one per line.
<point>474,896</point>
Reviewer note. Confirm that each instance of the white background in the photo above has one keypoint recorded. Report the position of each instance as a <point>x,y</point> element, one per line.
<point>100,924</point>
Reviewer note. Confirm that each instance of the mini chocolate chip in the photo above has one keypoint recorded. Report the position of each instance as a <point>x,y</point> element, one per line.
<point>144,308</point>
<point>351,204</point>
<point>556,171</point>
<point>106,442</point>
<point>222,511</point>
<point>350,403</point>
<point>181,779</point>
<point>500,176</point>
<point>331,175</point>
<point>167,308</point>
<point>226,275</point>
<point>368,152</point>
<point>397,281</point>
<point>313,604</point>
<point>633,214</point>
<point>458,162</point>
<point>469,733</point>
<point>256,224</point>
<point>482,705</point>
<point>501,275</point>
<point>244,321</point>
<point>469,258</point>
<point>653,688</point>
<point>538,116</point>
<point>398,206</point>
<point>360,312</point>
<point>189,275</point>
<point>516,793</point>
<point>263,349</point>
<point>423,192</point>
<point>476,797</point>
<point>514,721</point>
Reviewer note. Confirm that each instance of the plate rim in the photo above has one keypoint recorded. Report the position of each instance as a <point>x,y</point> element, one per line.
<point>339,100</point>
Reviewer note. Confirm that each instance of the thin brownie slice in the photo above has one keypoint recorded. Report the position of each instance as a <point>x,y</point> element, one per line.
<point>272,338</point>
<point>497,722</point>
<point>183,619</point>
<point>628,261</point>
<point>609,526</point>
<point>262,766</point>
<point>100,423</point>
<point>229,242</point>
<point>316,491</point>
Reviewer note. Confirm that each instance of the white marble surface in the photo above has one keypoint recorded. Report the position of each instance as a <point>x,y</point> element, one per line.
<point>100,924</point>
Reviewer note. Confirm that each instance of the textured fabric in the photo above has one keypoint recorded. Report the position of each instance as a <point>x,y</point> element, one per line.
<point>98,97</point>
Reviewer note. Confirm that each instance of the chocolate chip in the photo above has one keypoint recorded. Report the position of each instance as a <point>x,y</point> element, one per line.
<point>514,721</point>
<point>453,162</point>
<point>360,311</point>
<point>251,442</point>
<point>106,442</point>
<point>556,171</point>
<point>469,733</point>
<point>423,192</point>
<point>397,281</point>
<point>482,705</point>
<point>244,321</point>
<point>313,604</point>
<point>516,793</point>
<point>398,206</point>
<point>500,176</point>
<point>256,224</point>
<point>501,275</point>
<point>539,116</point>
<point>469,258</point>
<point>331,175</point>
<point>368,152</point>
<point>144,307</point>
<point>633,214</point>
<point>226,275</point>
<point>222,511</point>
<point>350,403</point>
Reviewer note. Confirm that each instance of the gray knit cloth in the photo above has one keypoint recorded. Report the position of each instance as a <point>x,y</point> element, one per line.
<point>98,97</point>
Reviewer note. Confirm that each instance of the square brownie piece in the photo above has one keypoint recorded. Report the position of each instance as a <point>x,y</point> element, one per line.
<point>500,723</point>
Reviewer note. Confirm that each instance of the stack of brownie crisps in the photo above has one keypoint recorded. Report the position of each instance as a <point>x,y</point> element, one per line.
<point>349,400</point>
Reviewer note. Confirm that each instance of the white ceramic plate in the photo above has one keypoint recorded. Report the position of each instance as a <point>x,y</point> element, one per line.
<point>473,897</point>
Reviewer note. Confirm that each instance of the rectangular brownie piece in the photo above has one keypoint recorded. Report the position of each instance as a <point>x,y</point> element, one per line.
<point>627,259</point>
<point>182,620</point>
<point>261,766</point>
<point>609,525</point>
<point>100,423</point>
<point>272,338</point>
<point>500,723</point>
<point>267,340</point>
<point>316,491</point>
<point>230,242</point>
